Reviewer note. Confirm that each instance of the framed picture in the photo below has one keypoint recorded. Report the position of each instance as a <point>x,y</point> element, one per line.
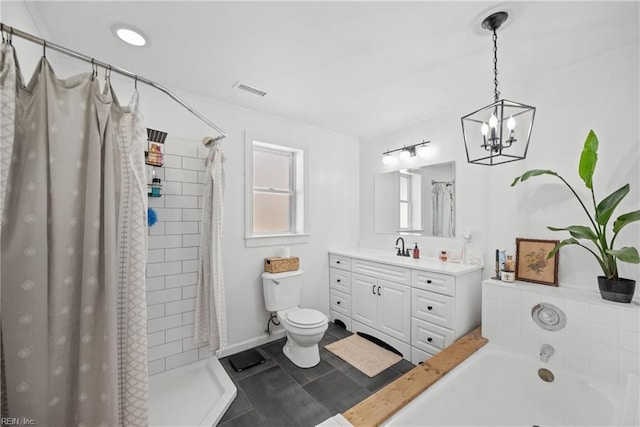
<point>532,264</point>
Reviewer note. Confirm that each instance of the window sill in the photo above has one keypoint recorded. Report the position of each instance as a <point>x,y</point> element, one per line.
<point>276,240</point>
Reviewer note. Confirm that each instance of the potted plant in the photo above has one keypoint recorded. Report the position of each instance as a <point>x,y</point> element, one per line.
<point>593,237</point>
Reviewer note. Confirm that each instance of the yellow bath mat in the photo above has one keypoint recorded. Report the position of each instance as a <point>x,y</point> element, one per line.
<point>362,354</point>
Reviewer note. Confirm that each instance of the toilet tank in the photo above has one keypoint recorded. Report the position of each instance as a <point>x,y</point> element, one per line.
<point>282,290</point>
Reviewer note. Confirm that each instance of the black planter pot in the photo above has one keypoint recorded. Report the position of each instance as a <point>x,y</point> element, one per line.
<point>619,290</point>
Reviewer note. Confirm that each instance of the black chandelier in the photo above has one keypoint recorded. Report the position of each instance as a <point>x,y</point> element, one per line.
<point>500,132</point>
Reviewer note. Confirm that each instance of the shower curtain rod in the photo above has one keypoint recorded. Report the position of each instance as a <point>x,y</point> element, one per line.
<point>442,182</point>
<point>11,31</point>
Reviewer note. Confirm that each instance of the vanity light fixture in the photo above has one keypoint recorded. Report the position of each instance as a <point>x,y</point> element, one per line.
<point>405,153</point>
<point>500,132</point>
<point>130,35</point>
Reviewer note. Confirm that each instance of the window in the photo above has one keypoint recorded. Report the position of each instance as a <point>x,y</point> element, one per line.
<point>410,202</point>
<point>405,201</point>
<point>275,194</point>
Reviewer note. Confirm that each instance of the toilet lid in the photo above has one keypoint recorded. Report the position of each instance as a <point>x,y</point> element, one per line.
<point>306,317</point>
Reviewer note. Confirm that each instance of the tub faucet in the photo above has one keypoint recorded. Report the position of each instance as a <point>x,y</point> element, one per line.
<point>546,352</point>
<point>401,252</point>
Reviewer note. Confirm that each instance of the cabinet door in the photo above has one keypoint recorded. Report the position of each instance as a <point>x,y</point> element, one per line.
<point>394,310</point>
<point>364,299</point>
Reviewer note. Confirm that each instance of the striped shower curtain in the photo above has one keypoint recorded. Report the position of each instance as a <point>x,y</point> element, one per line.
<point>73,235</point>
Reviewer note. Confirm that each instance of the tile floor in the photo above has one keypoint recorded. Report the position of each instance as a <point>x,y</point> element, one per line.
<point>277,393</point>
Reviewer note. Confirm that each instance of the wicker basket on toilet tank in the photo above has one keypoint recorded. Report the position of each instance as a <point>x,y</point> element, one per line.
<point>280,265</point>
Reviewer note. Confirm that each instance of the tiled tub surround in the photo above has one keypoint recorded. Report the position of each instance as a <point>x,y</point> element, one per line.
<point>172,265</point>
<point>418,306</point>
<point>601,338</point>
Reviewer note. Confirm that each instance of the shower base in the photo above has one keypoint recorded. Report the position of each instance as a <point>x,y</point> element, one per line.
<point>197,394</point>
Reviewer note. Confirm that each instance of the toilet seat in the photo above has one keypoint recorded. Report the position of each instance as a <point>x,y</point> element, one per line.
<point>306,318</point>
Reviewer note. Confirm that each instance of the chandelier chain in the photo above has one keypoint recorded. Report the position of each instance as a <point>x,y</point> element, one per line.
<point>496,92</point>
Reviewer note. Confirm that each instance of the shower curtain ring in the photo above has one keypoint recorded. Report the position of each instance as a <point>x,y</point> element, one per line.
<point>107,74</point>
<point>44,48</point>
<point>135,82</point>
<point>10,36</point>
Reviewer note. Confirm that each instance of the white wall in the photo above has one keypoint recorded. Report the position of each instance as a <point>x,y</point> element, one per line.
<point>333,205</point>
<point>601,94</point>
<point>332,161</point>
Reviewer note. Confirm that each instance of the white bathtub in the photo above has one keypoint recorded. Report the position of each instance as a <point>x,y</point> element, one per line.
<point>197,394</point>
<point>497,386</point>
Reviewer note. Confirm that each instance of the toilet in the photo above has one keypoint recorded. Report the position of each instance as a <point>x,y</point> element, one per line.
<point>305,326</point>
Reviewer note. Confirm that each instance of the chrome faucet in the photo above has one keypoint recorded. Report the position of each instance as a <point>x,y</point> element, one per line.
<point>401,252</point>
<point>546,352</point>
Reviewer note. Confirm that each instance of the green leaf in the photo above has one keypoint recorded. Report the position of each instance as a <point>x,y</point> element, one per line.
<point>565,242</point>
<point>578,231</point>
<point>625,219</point>
<point>626,254</point>
<point>588,159</point>
<point>605,208</point>
<point>534,172</point>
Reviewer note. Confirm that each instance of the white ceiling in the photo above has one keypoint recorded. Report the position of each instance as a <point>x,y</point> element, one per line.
<point>360,68</point>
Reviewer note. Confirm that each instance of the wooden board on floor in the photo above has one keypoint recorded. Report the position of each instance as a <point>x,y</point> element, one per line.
<point>387,401</point>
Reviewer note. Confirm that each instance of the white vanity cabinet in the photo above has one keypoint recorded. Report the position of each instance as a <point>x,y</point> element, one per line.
<point>417,306</point>
<point>340,289</point>
<point>443,308</point>
<point>382,305</point>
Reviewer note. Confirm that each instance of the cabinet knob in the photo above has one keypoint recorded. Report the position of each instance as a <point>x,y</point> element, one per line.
<point>338,302</point>
<point>429,339</point>
<point>429,308</point>
<point>338,281</point>
<point>337,262</point>
<point>428,280</point>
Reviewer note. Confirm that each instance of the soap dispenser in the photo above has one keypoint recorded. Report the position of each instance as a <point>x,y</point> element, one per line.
<point>416,251</point>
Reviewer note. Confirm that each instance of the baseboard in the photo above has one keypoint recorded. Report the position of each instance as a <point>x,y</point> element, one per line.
<point>254,342</point>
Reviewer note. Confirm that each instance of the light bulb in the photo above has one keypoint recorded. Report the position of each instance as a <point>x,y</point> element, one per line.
<point>389,160</point>
<point>404,155</point>
<point>424,151</point>
<point>511,123</point>
<point>130,35</point>
<point>484,129</point>
<point>493,121</point>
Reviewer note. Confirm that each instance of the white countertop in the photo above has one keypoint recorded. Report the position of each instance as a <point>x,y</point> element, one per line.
<point>427,264</point>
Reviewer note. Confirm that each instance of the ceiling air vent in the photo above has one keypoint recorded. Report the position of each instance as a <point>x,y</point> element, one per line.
<point>250,89</point>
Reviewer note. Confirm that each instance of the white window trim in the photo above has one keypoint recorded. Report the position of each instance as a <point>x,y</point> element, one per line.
<point>408,201</point>
<point>298,236</point>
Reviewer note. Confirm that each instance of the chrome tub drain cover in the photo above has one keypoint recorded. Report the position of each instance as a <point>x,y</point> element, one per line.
<point>548,316</point>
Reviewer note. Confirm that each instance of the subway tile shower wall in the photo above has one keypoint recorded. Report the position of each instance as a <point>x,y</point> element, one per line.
<point>172,263</point>
<point>600,339</point>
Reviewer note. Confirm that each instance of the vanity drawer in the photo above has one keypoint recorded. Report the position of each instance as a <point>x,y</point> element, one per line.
<point>429,337</point>
<point>340,302</point>
<point>340,280</point>
<point>432,307</point>
<point>434,282</point>
<point>382,271</point>
<point>339,261</point>
<point>418,356</point>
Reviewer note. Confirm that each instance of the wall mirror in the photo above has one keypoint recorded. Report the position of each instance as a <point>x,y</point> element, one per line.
<point>417,201</point>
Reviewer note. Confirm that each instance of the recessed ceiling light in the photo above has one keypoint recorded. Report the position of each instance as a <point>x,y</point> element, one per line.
<point>130,35</point>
